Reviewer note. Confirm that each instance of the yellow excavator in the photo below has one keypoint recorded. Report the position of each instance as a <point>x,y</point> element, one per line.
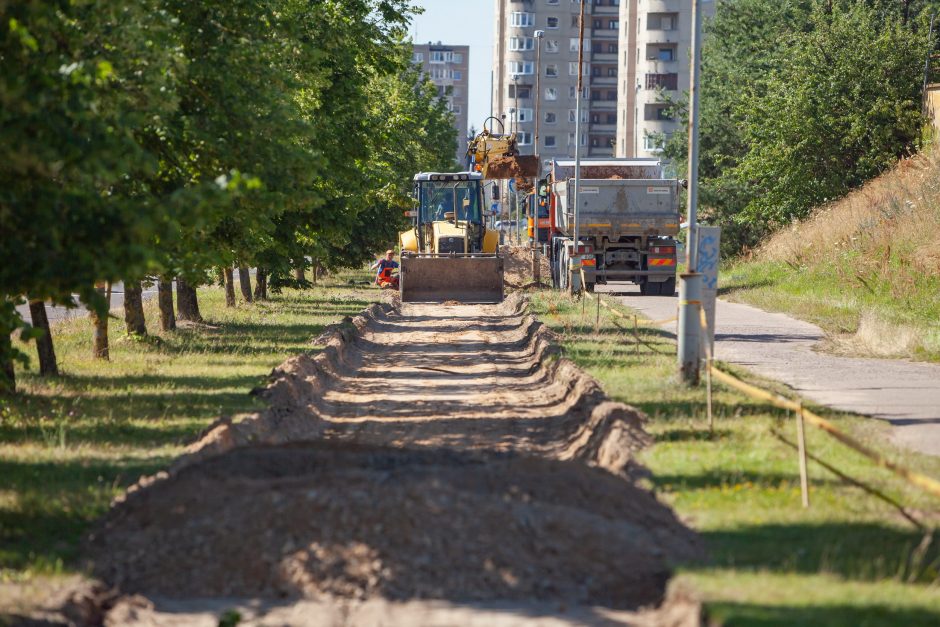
<point>496,155</point>
<point>449,254</point>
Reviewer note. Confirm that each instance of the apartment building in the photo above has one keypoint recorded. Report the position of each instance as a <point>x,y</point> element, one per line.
<point>515,72</point>
<point>653,67</point>
<point>448,67</point>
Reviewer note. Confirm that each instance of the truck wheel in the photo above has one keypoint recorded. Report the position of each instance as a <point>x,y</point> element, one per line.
<point>589,287</point>
<point>668,288</point>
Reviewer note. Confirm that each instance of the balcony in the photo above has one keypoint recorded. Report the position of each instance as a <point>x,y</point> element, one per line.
<point>603,128</point>
<point>604,57</point>
<point>610,81</point>
<point>662,81</point>
<point>603,105</point>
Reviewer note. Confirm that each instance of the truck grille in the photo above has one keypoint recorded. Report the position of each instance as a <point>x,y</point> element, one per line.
<point>450,245</point>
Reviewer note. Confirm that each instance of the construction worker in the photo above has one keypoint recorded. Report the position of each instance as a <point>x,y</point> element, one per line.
<point>385,267</point>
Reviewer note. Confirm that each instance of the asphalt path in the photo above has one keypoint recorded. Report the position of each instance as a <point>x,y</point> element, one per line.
<point>906,394</point>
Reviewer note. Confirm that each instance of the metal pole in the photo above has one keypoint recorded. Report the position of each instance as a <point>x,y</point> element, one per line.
<point>690,283</point>
<point>539,34</point>
<point>515,80</point>
<point>574,269</point>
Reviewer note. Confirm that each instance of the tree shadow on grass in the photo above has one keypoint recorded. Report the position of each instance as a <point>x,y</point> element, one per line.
<point>56,503</point>
<point>756,615</point>
<point>863,551</point>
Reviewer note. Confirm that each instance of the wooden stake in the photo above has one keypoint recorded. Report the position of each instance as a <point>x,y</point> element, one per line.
<point>801,443</point>
<point>636,335</point>
<point>708,395</point>
<point>597,315</point>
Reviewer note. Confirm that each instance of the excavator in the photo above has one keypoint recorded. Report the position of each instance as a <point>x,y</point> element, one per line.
<point>496,155</point>
<point>449,254</point>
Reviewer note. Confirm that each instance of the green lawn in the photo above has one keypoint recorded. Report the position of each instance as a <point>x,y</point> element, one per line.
<point>69,445</point>
<point>848,560</point>
<point>865,315</point>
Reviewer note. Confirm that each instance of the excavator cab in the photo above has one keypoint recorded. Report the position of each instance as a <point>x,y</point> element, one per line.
<point>449,254</point>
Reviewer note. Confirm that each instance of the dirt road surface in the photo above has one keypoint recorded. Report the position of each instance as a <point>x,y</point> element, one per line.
<point>432,464</point>
<point>905,394</point>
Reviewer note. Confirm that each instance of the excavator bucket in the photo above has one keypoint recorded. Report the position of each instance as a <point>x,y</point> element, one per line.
<point>511,167</point>
<point>439,278</point>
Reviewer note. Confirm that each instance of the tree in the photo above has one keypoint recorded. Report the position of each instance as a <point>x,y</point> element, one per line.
<point>73,103</point>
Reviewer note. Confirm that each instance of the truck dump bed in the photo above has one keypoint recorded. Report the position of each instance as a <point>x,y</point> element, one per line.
<point>619,207</point>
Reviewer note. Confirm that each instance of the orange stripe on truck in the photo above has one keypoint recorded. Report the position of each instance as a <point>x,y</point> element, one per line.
<point>662,262</point>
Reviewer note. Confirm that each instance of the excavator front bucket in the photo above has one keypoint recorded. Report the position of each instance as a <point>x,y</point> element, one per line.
<point>475,278</point>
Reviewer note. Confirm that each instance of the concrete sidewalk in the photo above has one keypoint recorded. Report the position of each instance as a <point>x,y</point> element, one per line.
<point>906,394</point>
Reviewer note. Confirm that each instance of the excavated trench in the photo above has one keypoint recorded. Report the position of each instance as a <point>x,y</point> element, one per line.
<point>425,452</point>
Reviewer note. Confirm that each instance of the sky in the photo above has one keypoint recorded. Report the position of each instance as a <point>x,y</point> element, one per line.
<point>468,23</point>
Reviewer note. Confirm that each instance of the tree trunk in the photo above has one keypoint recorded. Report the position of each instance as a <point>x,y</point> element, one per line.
<point>229,287</point>
<point>165,300</point>
<point>100,349</point>
<point>261,285</point>
<point>134,309</point>
<point>299,275</point>
<point>187,302</point>
<point>315,271</point>
<point>244,279</point>
<point>44,348</point>
<point>7,374</point>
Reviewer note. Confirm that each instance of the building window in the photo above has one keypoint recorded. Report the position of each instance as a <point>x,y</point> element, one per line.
<point>521,43</point>
<point>455,57</point>
<point>551,1</point>
<point>551,69</point>
<point>612,71</point>
<point>551,93</point>
<point>458,75</point>
<point>667,54</point>
<point>573,44</point>
<point>662,81</point>
<point>436,57</point>
<point>575,21</point>
<point>551,21</point>
<point>573,68</point>
<point>653,143</point>
<point>662,21</point>
<point>520,19</point>
<point>612,95</point>
<point>551,45</point>
<point>525,91</point>
<point>521,67</point>
<point>611,48</point>
<point>418,57</point>
<point>572,116</point>
<point>611,118</point>
<point>524,138</point>
<point>571,139</point>
<point>613,24</point>
<point>549,141</point>
<point>550,117</point>
<point>525,115</point>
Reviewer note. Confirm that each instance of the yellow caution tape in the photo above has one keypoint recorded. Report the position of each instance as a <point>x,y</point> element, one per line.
<point>911,476</point>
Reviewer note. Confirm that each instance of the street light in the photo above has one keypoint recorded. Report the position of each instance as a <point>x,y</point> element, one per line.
<point>515,196</point>
<point>539,35</point>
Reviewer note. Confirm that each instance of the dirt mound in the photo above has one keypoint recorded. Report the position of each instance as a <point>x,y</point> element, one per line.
<point>424,452</point>
<point>517,272</point>
<point>355,522</point>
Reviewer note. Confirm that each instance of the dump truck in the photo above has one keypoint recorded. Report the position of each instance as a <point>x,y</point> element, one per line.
<point>449,254</point>
<point>628,220</point>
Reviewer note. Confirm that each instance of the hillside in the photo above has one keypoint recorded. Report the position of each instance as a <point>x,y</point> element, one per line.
<point>865,268</point>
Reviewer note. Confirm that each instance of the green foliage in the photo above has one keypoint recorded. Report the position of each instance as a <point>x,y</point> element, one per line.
<point>802,101</point>
<point>170,137</point>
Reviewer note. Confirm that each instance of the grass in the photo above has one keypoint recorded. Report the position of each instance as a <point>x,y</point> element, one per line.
<point>865,268</point>
<point>69,445</point>
<point>847,560</point>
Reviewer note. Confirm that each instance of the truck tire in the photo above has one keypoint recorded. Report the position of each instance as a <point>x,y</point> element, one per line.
<point>668,287</point>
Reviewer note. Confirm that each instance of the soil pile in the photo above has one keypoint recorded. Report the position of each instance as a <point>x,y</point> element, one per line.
<point>517,272</point>
<point>425,452</point>
<point>356,522</point>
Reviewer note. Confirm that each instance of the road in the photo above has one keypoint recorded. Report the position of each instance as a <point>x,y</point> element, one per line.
<point>57,313</point>
<point>905,394</point>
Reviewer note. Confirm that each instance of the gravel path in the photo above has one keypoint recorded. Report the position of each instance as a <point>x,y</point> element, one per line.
<point>906,394</point>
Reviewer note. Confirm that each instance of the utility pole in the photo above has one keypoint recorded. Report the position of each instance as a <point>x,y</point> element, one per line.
<point>574,266</point>
<point>536,274</point>
<point>690,283</point>
<point>515,195</point>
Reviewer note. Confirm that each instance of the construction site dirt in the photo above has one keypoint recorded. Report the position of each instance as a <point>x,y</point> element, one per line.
<point>443,458</point>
